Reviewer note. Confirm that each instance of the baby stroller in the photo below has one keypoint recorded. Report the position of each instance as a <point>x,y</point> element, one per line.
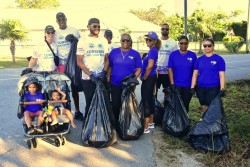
<point>47,82</point>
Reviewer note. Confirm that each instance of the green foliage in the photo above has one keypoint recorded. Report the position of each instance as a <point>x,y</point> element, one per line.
<point>125,30</point>
<point>38,4</point>
<point>233,43</point>
<point>176,24</point>
<point>240,28</point>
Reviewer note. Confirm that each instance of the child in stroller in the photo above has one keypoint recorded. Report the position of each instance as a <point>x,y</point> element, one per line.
<point>33,110</point>
<point>55,95</point>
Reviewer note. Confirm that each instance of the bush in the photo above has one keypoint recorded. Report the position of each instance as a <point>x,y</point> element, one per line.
<point>233,44</point>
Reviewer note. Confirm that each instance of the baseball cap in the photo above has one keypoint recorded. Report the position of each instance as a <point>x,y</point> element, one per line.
<point>108,32</point>
<point>152,35</point>
<point>59,15</point>
<point>93,20</point>
<point>49,28</point>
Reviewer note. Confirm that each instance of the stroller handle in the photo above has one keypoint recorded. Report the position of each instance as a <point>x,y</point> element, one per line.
<point>34,102</point>
<point>58,101</point>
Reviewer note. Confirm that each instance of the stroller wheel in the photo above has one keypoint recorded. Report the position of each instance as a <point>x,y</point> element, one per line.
<point>63,140</point>
<point>58,141</point>
<point>29,144</point>
<point>34,142</point>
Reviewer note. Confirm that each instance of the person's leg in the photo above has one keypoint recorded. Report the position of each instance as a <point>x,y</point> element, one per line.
<point>40,118</point>
<point>69,115</point>
<point>185,96</point>
<point>27,118</point>
<point>158,85</point>
<point>211,93</point>
<point>89,90</point>
<point>53,117</point>
<point>201,95</point>
<point>75,96</point>
<point>116,92</point>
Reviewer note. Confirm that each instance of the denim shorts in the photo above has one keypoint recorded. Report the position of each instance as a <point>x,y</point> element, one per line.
<point>206,95</point>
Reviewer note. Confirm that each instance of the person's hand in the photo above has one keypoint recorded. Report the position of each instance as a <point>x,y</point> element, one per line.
<point>58,89</point>
<point>192,91</point>
<point>173,87</point>
<point>103,75</point>
<point>93,78</point>
<point>222,93</point>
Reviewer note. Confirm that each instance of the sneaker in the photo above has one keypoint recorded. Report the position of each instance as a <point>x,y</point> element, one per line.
<point>78,116</point>
<point>30,130</point>
<point>39,129</point>
<point>146,131</point>
<point>151,125</point>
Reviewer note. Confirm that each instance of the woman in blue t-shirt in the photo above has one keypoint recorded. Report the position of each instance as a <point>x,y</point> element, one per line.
<point>148,77</point>
<point>180,70</point>
<point>209,75</point>
<point>123,62</point>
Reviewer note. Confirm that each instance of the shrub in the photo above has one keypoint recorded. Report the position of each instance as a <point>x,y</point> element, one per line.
<point>233,43</point>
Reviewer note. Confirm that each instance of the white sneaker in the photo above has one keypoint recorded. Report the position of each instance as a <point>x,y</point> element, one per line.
<point>146,131</point>
<point>151,126</point>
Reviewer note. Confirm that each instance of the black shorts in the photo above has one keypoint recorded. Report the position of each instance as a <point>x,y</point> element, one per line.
<point>163,80</point>
<point>206,95</point>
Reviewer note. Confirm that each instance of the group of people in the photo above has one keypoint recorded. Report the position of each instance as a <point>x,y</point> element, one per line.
<point>167,64</point>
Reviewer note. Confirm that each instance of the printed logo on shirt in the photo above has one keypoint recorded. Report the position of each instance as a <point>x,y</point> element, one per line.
<point>100,45</point>
<point>91,45</point>
<point>213,62</point>
<point>131,57</point>
<point>61,37</point>
<point>166,46</point>
<point>190,59</point>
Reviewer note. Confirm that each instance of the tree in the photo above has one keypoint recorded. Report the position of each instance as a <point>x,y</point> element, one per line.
<point>176,24</point>
<point>12,30</point>
<point>240,28</point>
<point>124,30</point>
<point>37,4</point>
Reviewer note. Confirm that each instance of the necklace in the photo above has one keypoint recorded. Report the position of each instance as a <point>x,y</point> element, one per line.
<point>124,55</point>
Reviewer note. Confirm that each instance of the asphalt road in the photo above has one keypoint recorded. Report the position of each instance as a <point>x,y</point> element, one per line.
<point>13,147</point>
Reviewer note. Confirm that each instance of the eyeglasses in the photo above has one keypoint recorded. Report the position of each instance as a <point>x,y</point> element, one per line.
<point>165,29</point>
<point>183,43</point>
<point>148,40</point>
<point>96,26</point>
<point>50,32</point>
<point>125,40</point>
<point>210,45</point>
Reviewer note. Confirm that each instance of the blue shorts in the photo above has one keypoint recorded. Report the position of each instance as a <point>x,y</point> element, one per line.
<point>206,95</point>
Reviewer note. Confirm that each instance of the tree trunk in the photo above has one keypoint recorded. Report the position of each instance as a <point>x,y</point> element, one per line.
<point>13,50</point>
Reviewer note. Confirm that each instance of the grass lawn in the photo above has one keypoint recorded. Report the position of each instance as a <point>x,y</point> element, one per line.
<point>237,109</point>
<point>6,62</point>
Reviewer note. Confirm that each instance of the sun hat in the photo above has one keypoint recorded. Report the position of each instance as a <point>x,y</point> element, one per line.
<point>152,35</point>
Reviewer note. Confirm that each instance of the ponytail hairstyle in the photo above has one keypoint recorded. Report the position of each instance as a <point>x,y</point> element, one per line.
<point>158,44</point>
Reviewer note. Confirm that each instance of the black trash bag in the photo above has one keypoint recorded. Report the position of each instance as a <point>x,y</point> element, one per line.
<point>72,70</point>
<point>130,115</point>
<point>159,112</point>
<point>211,133</point>
<point>175,120</point>
<point>97,130</point>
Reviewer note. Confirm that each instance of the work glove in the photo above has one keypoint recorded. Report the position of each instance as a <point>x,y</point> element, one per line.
<point>192,91</point>
<point>222,93</point>
<point>103,75</point>
<point>173,87</point>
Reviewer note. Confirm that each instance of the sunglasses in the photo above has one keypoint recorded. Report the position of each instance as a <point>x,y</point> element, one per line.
<point>125,40</point>
<point>165,29</point>
<point>148,40</point>
<point>50,32</point>
<point>96,26</point>
<point>209,46</point>
<point>183,43</point>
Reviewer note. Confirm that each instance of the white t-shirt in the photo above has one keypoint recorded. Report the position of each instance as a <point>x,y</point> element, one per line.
<point>44,56</point>
<point>113,46</point>
<point>93,51</point>
<point>62,44</point>
<point>167,46</point>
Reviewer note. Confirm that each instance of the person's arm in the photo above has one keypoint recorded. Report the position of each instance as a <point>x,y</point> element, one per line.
<point>137,72</point>
<point>222,79</point>
<point>171,76</point>
<point>81,65</point>
<point>62,93</point>
<point>32,62</point>
<point>109,74</point>
<point>149,68</point>
<point>106,62</point>
<point>194,78</point>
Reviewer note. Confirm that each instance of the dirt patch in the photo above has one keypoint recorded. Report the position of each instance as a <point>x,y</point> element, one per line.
<point>168,157</point>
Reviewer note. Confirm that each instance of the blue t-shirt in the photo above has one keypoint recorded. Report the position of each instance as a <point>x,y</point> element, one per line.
<point>182,66</point>
<point>123,64</point>
<point>152,54</point>
<point>32,98</point>
<point>208,70</point>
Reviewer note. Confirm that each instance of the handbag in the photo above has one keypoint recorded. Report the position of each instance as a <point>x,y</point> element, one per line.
<point>56,58</point>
